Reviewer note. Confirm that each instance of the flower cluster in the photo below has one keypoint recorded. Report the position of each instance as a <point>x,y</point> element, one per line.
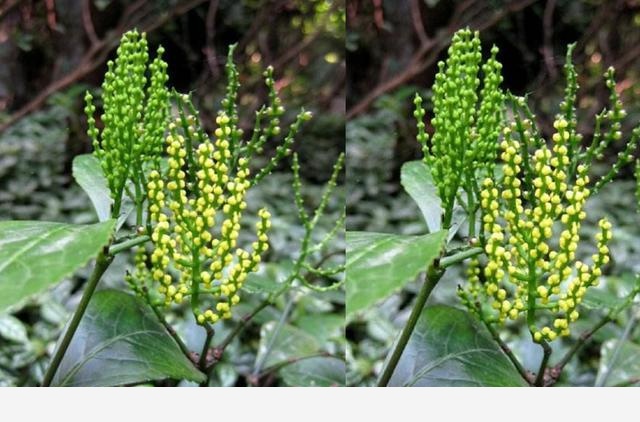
<point>467,125</point>
<point>196,225</point>
<point>532,217</point>
<point>196,201</point>
<point>135,115</point>
<point>525,270</point>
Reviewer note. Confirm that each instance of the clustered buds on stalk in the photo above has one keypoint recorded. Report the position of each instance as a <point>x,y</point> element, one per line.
<point>196,198</point>
<point>135,116</point>
<point>196,226</point>
<point>467,124</point>
<point>532,217</point>
<point>525,269</point>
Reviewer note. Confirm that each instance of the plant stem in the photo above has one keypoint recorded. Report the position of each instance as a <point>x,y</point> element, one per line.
<point>171,331</point>
<point>102,263</point>
<point>128,244</point>
<point>507,351</point>
<point>202,363</point>
<point>219,350</point>
<point>432,278</point>
<point>448,261</point>
<point>584,337</point>
<point>278,366</point>
<point>539,382</point>
<point>272,341</point>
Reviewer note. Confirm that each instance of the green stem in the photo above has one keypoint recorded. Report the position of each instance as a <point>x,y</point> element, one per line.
<point>102,263</point>
<point>219,350</point>
<point>628,329</point>
<point>432,278</point>
<point>539,382</point>
<point>584,337</point>
<point>183,347</point>
<point>278,366</point>
<point>128,244</point>
<point>531,296</point>
<point>272,341</point>
<point>507,351</point>
<point>202,363</point>
<point>448,261</point>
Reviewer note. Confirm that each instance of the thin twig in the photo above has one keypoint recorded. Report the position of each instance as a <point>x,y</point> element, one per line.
<point>507,351</point>
<point>87,22</point>
<point>262,359</point>
<point>418,26</point>
<point>626,334</point>
<point>278,366</point>
<point>172,332</point>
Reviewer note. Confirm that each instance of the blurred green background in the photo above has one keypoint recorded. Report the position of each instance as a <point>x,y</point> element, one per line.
<point>392,51</point>
<point>51,51</point>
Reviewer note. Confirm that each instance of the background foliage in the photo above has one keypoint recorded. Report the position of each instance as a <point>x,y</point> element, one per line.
<point>392,50</point>
<point>53,50</point>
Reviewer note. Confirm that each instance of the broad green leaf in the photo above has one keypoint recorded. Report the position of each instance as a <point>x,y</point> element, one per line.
<point>416,179</point>
<point>449,348</point>
<point>623,366</point>
<point>315,372</point>
<point>11,328</point>
<point>322,326</point>
<point>290,342</point>
<point>120,341</point>
<point>35,255</point>
<point>89,175</point>
<point>380,264</point>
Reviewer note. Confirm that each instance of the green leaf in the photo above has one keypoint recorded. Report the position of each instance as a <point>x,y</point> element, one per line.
<point>416,179</point>
<point>315,372</point>
<point>380,264</point>
<point>449,348</point>
<point>35,255</point>
<point>89,175</point>
<point>11,328</point>
<point>322,326</point>
<point>269,279</point>
<point>623,367</point>
<point>291,342</point>
<point>120,341</point>
<point>600,299</point>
